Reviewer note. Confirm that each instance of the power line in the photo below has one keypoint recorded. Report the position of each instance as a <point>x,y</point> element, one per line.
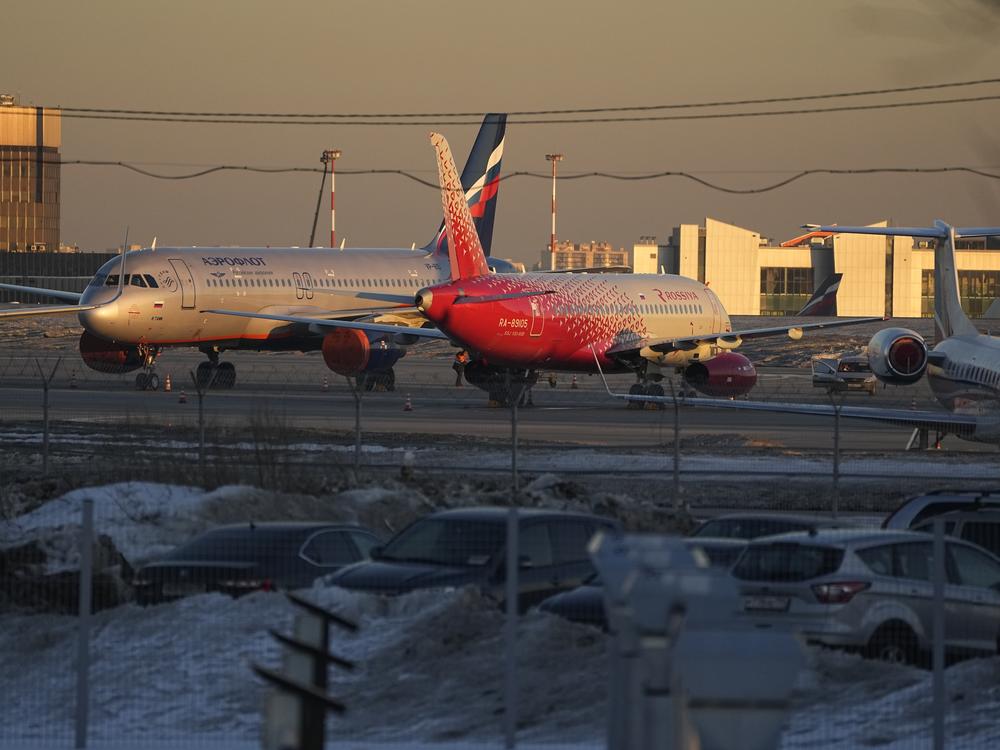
<point>539,175</point>
<point>551,121</point>
<point>537,112</point>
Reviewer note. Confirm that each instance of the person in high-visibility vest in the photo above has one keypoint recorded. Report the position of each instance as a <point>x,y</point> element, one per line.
<point>461,360</point>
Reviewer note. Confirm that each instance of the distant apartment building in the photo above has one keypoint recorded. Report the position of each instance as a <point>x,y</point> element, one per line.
<point>584,255</point>
<point>29,177</point>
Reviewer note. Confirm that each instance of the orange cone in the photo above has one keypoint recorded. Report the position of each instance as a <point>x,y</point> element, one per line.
<point>408,405</point>
<point>183,399</point>
<point>72,380</point>
<point>326,384</point>
<point>167,386</point>
<point>573,384</point>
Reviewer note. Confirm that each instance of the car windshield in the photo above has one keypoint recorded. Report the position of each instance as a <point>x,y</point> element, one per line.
<point>445,541</point>
<point>787,562</point>
<point>239,545</point>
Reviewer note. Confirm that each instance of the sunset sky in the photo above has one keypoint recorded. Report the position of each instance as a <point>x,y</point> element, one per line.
<point>443,56</point>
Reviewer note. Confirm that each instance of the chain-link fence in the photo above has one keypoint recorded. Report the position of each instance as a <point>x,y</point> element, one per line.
<point>195,540</point>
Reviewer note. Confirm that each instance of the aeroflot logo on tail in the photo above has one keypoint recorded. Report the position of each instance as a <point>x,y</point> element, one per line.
<point>227,261</point>
<point>674,296</point>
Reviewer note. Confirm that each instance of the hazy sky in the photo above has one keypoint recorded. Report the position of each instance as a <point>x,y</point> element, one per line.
<point>432,56</point>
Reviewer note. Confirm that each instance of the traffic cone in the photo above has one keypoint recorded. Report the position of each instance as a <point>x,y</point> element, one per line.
<point>167,385</point>
<point>913,404</point>
<point>572,383</point>
<point>326,383</point>
<point>72,380</point>
<point>408,405</point>
<point>183,399</point>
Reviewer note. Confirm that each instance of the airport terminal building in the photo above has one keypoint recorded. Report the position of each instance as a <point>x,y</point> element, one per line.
<point>881,275</point>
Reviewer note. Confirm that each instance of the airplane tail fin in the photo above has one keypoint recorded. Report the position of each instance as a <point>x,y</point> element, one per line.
<point>481,183</point>
<point>949,317</point>
<point>824,299</point>
<point>465,253</point>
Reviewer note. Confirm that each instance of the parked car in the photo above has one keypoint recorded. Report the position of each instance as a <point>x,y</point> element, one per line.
<point>753,525</point>
<point>848,373</point>
<point>467,547</point>
<point>919,507</point>
<point>241,558</point>
<point>871,590</point>
<point>585,604</point>
<point>978,527</point>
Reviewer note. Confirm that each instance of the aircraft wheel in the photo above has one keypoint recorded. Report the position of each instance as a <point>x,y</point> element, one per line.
<point>141,381</point>
<point>636,389</point>
<point>204,374</point>
<point>227,375</point>
<point>153,382</point>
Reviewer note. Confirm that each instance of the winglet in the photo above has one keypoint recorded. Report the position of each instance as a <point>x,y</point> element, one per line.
<point>465,253</point>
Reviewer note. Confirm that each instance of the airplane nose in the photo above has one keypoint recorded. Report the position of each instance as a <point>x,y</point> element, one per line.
<point>100,320</point>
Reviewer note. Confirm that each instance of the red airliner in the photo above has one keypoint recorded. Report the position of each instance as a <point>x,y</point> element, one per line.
<point>515,324</point>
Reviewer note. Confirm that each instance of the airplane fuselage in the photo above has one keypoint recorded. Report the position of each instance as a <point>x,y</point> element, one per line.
<point>557,327</point>
<point>964,374</point>
<point>169,287</point>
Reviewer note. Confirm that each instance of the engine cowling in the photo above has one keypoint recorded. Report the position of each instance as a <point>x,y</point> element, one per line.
<point>350,352</point>
<point>727,375</point>
<point>897,356</point>
<point>104,356</point>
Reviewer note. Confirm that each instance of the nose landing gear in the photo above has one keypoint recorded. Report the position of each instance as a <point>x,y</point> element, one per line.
<point>147,380</point>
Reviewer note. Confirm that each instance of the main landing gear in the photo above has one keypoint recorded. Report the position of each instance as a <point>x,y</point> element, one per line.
<point>216,374</point>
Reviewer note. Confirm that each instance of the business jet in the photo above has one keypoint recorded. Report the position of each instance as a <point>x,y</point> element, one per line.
<point>514,324</point>
<point>137,306</point>
<point>962,369</point>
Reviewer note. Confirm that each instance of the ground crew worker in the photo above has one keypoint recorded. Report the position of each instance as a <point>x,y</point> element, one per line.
<point>461,360</point>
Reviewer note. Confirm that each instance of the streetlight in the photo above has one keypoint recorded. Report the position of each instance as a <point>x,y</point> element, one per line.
<point>329,157</point>
<point>553,158</point>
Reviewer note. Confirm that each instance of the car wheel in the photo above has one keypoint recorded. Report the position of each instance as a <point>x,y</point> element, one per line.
<point>894,643</point>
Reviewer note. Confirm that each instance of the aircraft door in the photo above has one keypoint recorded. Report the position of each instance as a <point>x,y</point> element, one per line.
<point>307,284</point>
<point>537,318</point>
<point>185,280</point>
<point>716,312</point>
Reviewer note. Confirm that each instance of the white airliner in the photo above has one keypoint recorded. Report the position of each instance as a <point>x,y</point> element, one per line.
<point>152,299</point>
<point>963,369</point>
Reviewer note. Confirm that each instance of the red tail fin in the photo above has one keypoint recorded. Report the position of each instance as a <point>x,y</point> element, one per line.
<point>465,253</point>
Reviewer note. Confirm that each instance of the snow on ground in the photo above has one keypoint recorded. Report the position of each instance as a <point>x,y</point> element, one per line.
<point>430,663</point>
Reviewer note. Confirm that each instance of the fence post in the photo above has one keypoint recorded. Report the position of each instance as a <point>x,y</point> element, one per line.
<point>355,387</point>
<point>677,448</point>
<point>836,454</point>
<point>937,652</point>
<point>200,390</point>
<point>510,691</point>
<point>45,412</point>
<point>83,627</point>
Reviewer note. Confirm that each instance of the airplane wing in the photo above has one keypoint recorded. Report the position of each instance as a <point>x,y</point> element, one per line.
<point>429,333</point>
<point>29,310</point>
<point>730,339</point>
<point>57,293</point>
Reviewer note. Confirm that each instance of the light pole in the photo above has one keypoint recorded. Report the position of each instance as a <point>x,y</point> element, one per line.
<point>331,157</point>
<point>554,158</point>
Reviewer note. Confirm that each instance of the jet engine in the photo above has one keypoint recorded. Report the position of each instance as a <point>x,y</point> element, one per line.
<point>727,374</point>
<point>350,352</point>
<point>897,356</point>
<point>104,356</point>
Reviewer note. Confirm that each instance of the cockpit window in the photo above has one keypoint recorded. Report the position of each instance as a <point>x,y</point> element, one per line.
<point>150,281</point>
<point>98,279</point>
<point>112,279</point>
<point>137,280</point>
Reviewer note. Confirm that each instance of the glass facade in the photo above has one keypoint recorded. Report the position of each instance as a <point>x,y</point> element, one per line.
<point>29,199</point>
<point>978,289</point>
<point>785,291</point>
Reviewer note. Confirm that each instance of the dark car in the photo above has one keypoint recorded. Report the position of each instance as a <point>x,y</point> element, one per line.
<point>753,525</point>
<point>467,547</point>
<point>247,557</point>
<point>585,603</point>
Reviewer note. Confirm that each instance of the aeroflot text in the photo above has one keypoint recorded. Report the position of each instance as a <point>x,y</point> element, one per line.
<point>226,261</point>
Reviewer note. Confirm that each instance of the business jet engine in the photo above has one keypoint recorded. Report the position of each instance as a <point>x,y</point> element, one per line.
<point>726,375</point>
<point>104,356</point>
<point>897,356</point>
<point>350,352</point>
